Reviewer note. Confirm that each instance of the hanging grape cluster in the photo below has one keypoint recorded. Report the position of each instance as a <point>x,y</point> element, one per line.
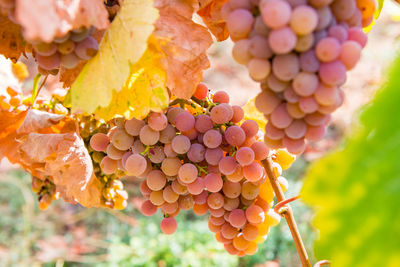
<point>299,51</point>
<point>197,156</point>
<point>66,51</point>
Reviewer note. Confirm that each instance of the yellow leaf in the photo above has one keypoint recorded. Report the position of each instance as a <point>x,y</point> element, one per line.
<point>252,113</point>
<point>123,45</point>
<point>143,92</point>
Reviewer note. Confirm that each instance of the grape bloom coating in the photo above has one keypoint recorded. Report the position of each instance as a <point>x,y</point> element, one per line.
<point>299,51</point>
<point>198,156</point>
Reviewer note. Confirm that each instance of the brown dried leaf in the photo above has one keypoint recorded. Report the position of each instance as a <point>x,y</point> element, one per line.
<point>43,20</point>
<point>210,12</point>
<point>65,159</point>
<point>12,44</point>
<point>36,120</point>
<point>184,44</point>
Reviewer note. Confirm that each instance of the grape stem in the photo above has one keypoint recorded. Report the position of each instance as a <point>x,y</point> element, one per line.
<point>280,206</point>
<point>301,250</point>
<point>321,263</point>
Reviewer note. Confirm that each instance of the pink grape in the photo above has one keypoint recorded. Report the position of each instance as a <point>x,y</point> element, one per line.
<point>324,17</point>
<point>231,203</point>
<point>201,198</point>
<point>215,201</point>
<point>282,40</point>
<point>250,128</point>
<point>235,135</point>
<point>49,62</point>
<point>172,113</point>
<point>266,102</point>
<point>350,54</point>
<point>203,123</point>
<point>294,110</point>
<point>260,150</point>
<point>178,188</point>
<point>99,142</point>
<point>188,173</point>
<point>304,43</point>
<point>220,114</point>
<point>231,189</point>
<point>286,67</point>
<point>213,182</point>
<point>357,34</point>
<point>309,61</point>
<point>253,172</point>
<point>196,187</point>
<point>276,13</point>
<point>121,139</point>
<point>343,9</point>
<point>305,83</point>
<point>114,153</point>
<point>339,32</point>
<point>184,121</point>
<point>316,119</point>
<point>227,165</point>
<point>238,114</point>
<point>328,49</point>
<point>169,208</point>
<point>249,191</point>
<point>196,153</point>
<point>276,85</point>
<point>167,134</point>
<point>148,136</point>
<point>168,226</point>
<point>157,121</point>
<point>148,208</point>
<point>213,155</point>
<point>170,166</point>
<point>297,129</point>
<point>315,133</point>
<point>255,214</point>
<point>259,47</point>
<point>308,104</point>
<point>135,164</point>
<point>241,51</point>
<point>240,22</point>
<point>133,126</point>
<point>290,95</point>
<point>294,146</point>
<point>237,218</point>
<point>326,95</point>
<point>212,139</point>
<point>245,156</point>
<point>221,97</point>
<point>156,180</point>
<point>181,144</point>
<point>304,20</point>
<point>280,118</point>
<point>108,165</point>
<point>259,69</point>
<point>228,231</point>
<point>333,73</point>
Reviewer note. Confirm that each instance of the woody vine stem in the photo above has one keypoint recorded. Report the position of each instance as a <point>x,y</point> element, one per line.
<point>287,213</point>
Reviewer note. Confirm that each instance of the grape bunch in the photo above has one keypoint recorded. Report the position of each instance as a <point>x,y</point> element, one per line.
<point>299,51</point>
<point>92,131</point>
<point>197,156</point>
<point>66,51</point>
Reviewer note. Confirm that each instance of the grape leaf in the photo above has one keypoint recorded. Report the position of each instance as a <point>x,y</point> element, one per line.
<point>210,12</point>
<point>43,20</point>
<point>184,44</point>
<point>12,44</point>
<point>65,160</point>
<point>356,190</point>
<point>122,45</point>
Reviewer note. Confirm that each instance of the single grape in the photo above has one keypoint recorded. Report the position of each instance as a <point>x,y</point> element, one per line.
<point>212,138</point>
<point>148,136</point>
<point>187,173</point>
<point>213,182</point>
<point>168,226</point>
<point>237,218</point>
<point>184,121</point>
<point>135,164</point>
<point>181,144</point>
<point>87,48</point>
<point>157,121</point>
<point>245,156</point>
<point>99,142</point>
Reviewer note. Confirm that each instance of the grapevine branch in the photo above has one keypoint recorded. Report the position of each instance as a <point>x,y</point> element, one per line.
<point>301,250</point>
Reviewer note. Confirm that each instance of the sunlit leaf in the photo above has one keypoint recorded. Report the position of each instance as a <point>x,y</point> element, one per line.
<point>356,190</point>
<point>123,44</point>
<point>252,113</point>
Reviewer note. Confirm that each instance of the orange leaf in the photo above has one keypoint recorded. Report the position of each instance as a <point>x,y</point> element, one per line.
<point>36,120</point>
<point>210,12</point>
<point>65,159</point>
<point>12,45</point>
<point>9,123</point>
<point>184,44</point>
<point>43,20</point>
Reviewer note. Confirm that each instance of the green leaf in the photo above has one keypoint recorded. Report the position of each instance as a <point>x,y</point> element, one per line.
<point>356,190</point>
<point>123,44</point>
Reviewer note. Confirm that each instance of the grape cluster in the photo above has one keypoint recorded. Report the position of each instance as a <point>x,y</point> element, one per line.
<point>46,191</point>
<point>66,51</point>
<point>299,51</point>
<point>196,156</point>
<point>114,195</point>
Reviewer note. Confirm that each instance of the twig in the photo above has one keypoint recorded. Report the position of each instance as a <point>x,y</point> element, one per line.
<point>281,205</point>
<point>301,250</point>
<point>321,263</point>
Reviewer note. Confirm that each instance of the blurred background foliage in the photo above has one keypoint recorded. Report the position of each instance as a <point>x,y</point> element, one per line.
<point>67,235</point>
